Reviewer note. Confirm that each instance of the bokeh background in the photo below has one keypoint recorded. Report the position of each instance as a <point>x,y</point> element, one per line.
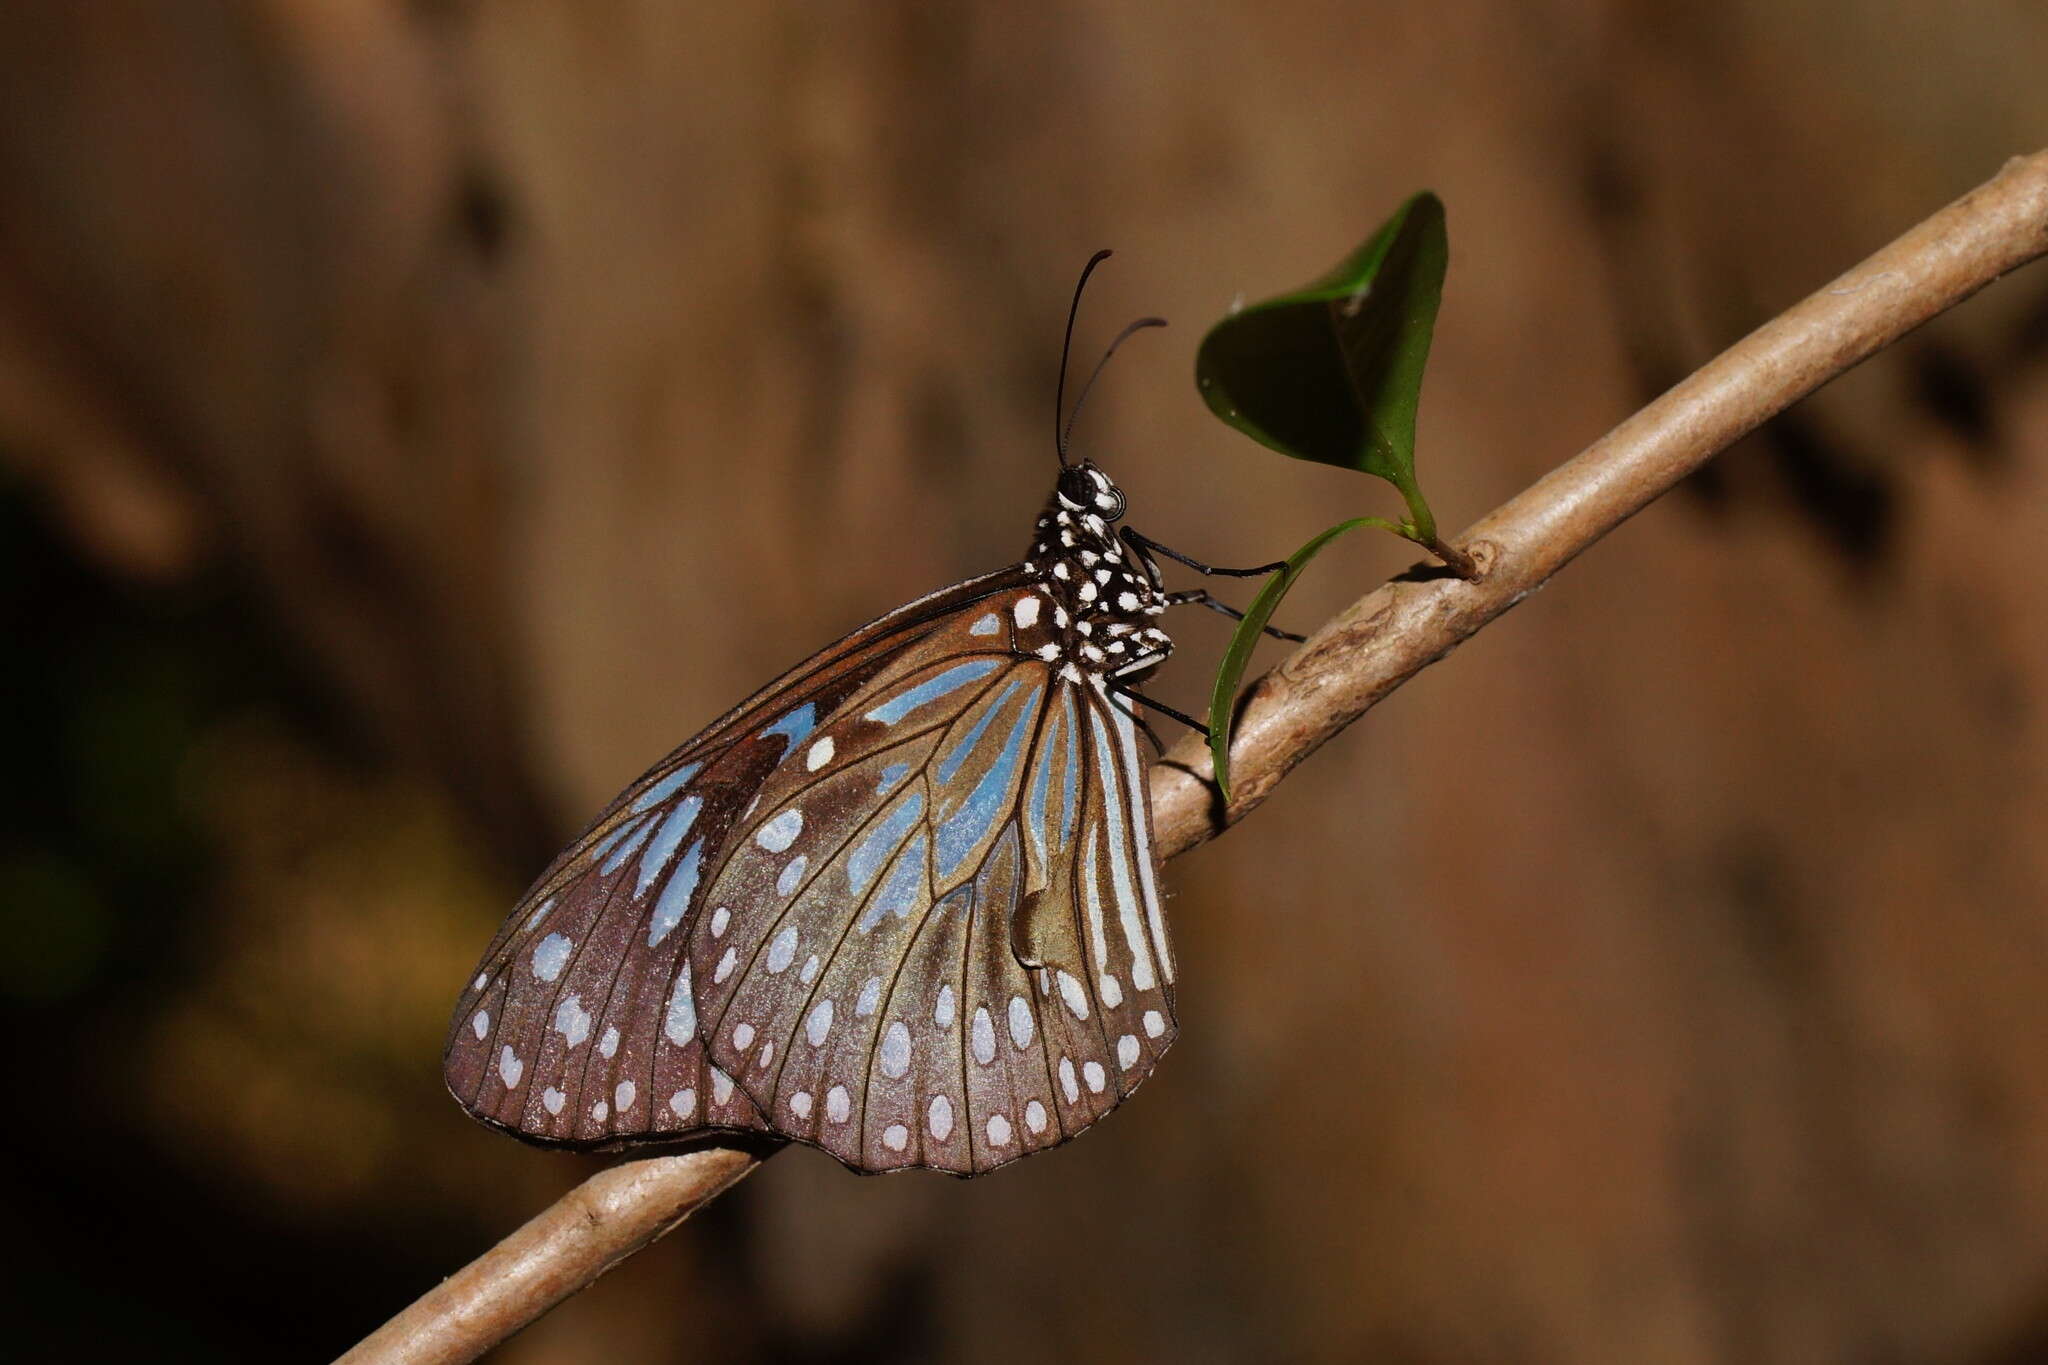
<point>416,417</point>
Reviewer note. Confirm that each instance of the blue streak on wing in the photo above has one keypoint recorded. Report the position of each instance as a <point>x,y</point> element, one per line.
<point>604,845</point>
<point>794,726</point>
<point>900,894</point>
<point>662,846</point>
<point>950,762</point>
<point>667,787</point>
<point>620,843</point>
<point>931,689</point>
<point>866,860</point>
<point>962,831</point>
<point>891,775</point>
<point>1041,785</point>
<point>1074,760</point>
<point>675,897</point>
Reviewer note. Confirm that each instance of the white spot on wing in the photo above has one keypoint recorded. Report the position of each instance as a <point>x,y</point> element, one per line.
<point>782,951</point>
<point>550,957</point>
<point>1026,611</point>
<point>720,917</point>
<point>820,1023</point>
<point>600,1111</point>
<point>1034,1116</point>
<point>721,1086</point>
<point>481,1024</point>
<point>998,1130</point>
<point>819,754</point>
<point>895,1137</point>
<point>609,1044</point>
<point>870,997</point>
<point>1022,1026</point>
<point>1072,992</point>
<point>552,1100</point>
<point>510,1068</point>
<point>987,625</point>
<point>943,1011</point>
<point>572,1021</point>
<point>895,1050</point>
<point>810,971</point>
<point>1067,1081</point>
<point>725,965</point>
<point>743,1036</point>
<point>681,1025</point>
<point>1112,990</point>
<point>838,1104</point>
<point>800,1104</point>
<point>1127,1051</point>
<point>791,875</point>
<point>623,1095</point>
<point>941,1116</point>
<point>780,832</point>
<point>1155,1023</point>
<point>983,1037</point>
<point>683,1103</point>
<point>1093,1073</point>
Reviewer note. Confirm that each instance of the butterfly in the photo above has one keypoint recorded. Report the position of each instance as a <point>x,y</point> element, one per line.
<point>900,904</point>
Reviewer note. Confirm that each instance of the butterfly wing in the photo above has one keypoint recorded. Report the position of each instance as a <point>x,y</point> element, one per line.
<point>937,941</point>
<point>579,1025</point>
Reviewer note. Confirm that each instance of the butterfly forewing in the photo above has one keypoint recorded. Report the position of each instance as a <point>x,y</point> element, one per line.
<point>583,1039</point>
<point>580,1024</point>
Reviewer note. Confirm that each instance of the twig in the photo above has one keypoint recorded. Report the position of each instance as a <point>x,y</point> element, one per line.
<point>573,1241</point>
<point>1459,562</point>
<point>1380,642</point>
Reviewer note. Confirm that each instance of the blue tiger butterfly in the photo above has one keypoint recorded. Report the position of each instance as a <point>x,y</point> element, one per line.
<point>899,904</point>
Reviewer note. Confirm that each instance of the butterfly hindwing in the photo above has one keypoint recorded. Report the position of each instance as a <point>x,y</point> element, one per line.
<point>858,966</point>
<point>1111,1011</point>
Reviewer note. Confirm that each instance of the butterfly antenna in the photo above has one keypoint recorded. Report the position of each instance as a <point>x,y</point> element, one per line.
<point>1121,337</point>
<point>1059,402</point>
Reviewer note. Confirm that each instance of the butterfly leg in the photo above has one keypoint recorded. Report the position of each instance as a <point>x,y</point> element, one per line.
<point>1145,542</point>
<point>1199,597</point>
<point>1163,709</point>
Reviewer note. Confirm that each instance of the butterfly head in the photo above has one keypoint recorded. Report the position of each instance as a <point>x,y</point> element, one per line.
<point>1084,489</point>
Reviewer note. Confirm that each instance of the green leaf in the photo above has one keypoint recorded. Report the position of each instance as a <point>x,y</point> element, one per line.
<point>1332,371</point>
<point>1223,697</point>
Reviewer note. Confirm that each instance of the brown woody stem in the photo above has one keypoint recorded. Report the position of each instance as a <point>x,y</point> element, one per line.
<point>1459,563</point>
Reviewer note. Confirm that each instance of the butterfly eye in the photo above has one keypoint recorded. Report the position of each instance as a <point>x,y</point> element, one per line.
<point>1088,489</point>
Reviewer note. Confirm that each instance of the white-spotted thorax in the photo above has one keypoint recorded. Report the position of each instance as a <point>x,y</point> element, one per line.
<point>1102,595</point>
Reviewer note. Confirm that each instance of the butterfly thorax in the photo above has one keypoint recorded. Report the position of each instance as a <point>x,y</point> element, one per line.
<point>1102,595</point>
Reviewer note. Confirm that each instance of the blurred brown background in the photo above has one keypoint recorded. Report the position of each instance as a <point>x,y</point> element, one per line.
<point>416,417</point>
